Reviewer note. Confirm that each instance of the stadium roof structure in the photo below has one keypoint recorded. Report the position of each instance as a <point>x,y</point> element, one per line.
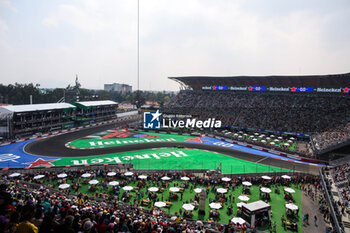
<point>91,104</point>
<point>324,81</point>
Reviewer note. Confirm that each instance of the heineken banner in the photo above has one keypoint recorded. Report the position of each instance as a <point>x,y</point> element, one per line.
<point>277,89</point>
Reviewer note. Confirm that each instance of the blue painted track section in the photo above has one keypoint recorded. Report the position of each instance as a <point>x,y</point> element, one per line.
<point>13,155</point>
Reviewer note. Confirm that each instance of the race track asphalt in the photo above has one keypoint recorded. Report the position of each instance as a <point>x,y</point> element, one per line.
<point>55,146</point>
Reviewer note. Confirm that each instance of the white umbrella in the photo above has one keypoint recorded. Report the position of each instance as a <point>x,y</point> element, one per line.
<point>245,134</point>
<point>254,139</point>
<point>236,134</point>
<point>111,173</point>
<point>15,174</point>
<point>93,182</point>
<point>292,138</point>
<point>262,135</point>
<point>240,136</point>
<point>226,179</point>
<point>268,138</point>
<point>272,136</point>
<point>166,178</point>
<point>265,190</point>
<point>290,141</point>
<point>266,177</point>
<point>160,204</point>
<point>113,183</point>
<point>289,190</point>
<point>280,138</point>
<point>38,177</point>
<point>263,141</point>
<point>286,144</point>
<point>276,140</point>
<point>215,205</point>
<point>240,204</point>
<point>63,175</point>
<point>185,178</point>
<point>153,189</point>
<point>86,175</point>
<point>199,223</point>
<point>272,143</point>
<point>246,183</point>
<point>198,190</point>
<point>142,177</point>
<point>238,221</point>
<point>221,190</point>
<point>128,174</point>
<point>286,177</point>
<point>292,206</point>
<point>256,134</point>
<point>64,186</point>
<point>243,198</point>
<point>174,189</point>
<point>128,188</point>
<point>188,206</point>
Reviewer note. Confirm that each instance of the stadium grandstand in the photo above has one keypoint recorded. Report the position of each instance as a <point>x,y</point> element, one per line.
<point>23,120</point>
<point>313,110</point>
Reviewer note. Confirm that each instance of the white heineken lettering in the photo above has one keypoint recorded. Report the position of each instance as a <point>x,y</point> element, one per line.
<point>9,157</point>
<point>81,162</point>
<point>99,143</point>
<point>96,161</point>
<point>178,154</point>
<point>164,154</point>
<point>155,156</point>
<point>127,157</point>
<point>223,144</point>
<point>114,159</point>
<point>145,156</point>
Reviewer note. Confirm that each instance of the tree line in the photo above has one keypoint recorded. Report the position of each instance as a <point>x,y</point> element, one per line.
<point>20,94</point>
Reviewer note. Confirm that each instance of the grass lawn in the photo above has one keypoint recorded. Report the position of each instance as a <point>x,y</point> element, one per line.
<point>173,158</point>
<point>277,201</point>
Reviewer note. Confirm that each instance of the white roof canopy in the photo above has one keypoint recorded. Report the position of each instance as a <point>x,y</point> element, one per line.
<point>36,107</point>
<point>96,103</point>
<point>254,206</point>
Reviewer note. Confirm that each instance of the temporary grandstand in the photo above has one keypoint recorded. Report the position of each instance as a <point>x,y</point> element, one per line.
<point>313,108</point>
<point>21,120</point>
<point>94,111</point>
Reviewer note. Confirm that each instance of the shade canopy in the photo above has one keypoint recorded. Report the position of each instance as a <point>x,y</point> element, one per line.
<point>93,182</point>
<point>113,183</point>
<point>238,220</point>
<point>64,186</point>
<point>215,205</point>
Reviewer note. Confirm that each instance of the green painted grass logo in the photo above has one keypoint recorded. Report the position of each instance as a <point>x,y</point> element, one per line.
<point>124,159</point>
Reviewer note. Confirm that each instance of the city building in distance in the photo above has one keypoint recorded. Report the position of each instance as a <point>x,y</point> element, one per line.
<point>123,88</point>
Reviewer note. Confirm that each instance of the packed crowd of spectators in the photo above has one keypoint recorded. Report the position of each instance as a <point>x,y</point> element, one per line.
<point>37,208</point>
<point>341,176</point>
<point>332,137</point>
<point>287,112</point>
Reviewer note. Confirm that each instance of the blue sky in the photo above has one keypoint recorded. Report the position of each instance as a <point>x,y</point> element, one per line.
<point>48,42</point>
